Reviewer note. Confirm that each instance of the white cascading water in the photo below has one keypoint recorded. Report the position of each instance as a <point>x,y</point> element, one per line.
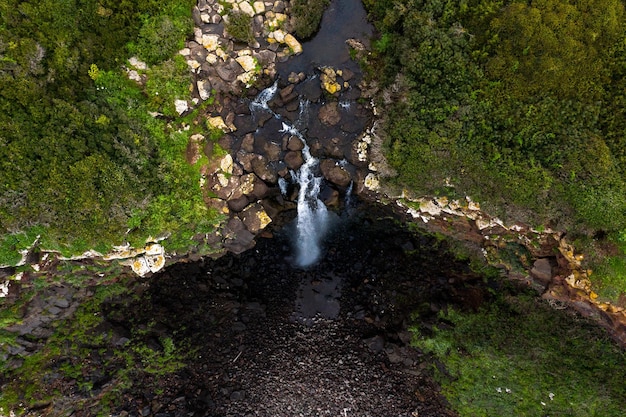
<point>313,218</point>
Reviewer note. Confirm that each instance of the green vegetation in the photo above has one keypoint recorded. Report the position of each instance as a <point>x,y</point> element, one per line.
<point>518,104</point>
<point>81,159</point>
<point>239,26</point>
<point>84,351</point>
<point>519,357</point>
<point>307,16</point>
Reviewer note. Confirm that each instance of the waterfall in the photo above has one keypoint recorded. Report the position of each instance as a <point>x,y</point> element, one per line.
<point>312,220</point>
<point>313,217</point>
<point>260,102</point>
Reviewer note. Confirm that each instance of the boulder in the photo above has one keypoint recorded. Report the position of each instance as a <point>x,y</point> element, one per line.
<point>245,159</point>
<point>247,144</point>
<point>247,62</point>
<point>286,92</point>
<point>255,218</point>
<point>295,144</point>
<point>294,159</point>
<point>246,8</point>
<point>293,44</point>
<point>329,114</point>
<point>210,42</point>
<point>262,168</point>
<point>335,173</point>
<point>253,186</point>
<point>204,89</point>
<point>217,122</point>
<point>259,7</point>
<point>542,270</point>
<point>181,106</point>
<point>238,204</point>
<point>265,57</point>
<point>238,238</point>
<point>272,151</point>
<point>229,71</point>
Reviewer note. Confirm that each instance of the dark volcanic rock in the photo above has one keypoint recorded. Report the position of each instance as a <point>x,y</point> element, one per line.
<point>294,159</point>
<point>329,114</point>
<point>335,173</point>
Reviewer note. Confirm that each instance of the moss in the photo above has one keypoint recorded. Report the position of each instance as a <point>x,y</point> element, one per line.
<point>517,356</point>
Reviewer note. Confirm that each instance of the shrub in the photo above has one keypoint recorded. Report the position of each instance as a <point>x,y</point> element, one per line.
<point>307,16</point>
<point>239,26</point>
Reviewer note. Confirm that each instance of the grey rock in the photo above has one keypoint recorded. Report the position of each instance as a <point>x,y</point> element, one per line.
<point>229,71</point>
<point>542,270</point>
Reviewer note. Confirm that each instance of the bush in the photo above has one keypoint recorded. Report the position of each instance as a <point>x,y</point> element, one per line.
<point>239,26</point>
<point>307,16</point>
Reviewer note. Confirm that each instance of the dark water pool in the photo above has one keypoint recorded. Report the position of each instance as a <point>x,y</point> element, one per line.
<point>344,19</point>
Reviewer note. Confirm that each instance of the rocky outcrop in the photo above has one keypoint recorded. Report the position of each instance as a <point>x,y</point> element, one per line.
<point>544,259</point>
<point>223,64</point>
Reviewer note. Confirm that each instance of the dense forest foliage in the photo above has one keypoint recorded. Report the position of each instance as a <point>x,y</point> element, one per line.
<point>520,104</point>
<point>81,160</point>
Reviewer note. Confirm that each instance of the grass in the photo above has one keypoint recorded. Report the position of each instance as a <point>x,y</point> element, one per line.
<point>519,357</point>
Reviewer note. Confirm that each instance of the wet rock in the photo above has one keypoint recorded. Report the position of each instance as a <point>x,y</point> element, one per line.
<point>272,150</point>
<point>329,114</point>
<point>263,169</point>
<point>311,90</point>
<point>295,144</point>
<point>244,123</point>
<point>294,159</point>
<point>335,173</point>
<point>329,196</point>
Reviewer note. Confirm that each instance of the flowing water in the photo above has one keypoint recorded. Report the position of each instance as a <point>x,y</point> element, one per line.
<point>313,217</point>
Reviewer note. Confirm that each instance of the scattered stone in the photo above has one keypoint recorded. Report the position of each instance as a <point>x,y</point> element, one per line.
<point>137,63</point>
<point>181,106</point>
<point>247,62</point>
<point>217,122</point>
<point>293,44</point>
<point>204,89</point>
